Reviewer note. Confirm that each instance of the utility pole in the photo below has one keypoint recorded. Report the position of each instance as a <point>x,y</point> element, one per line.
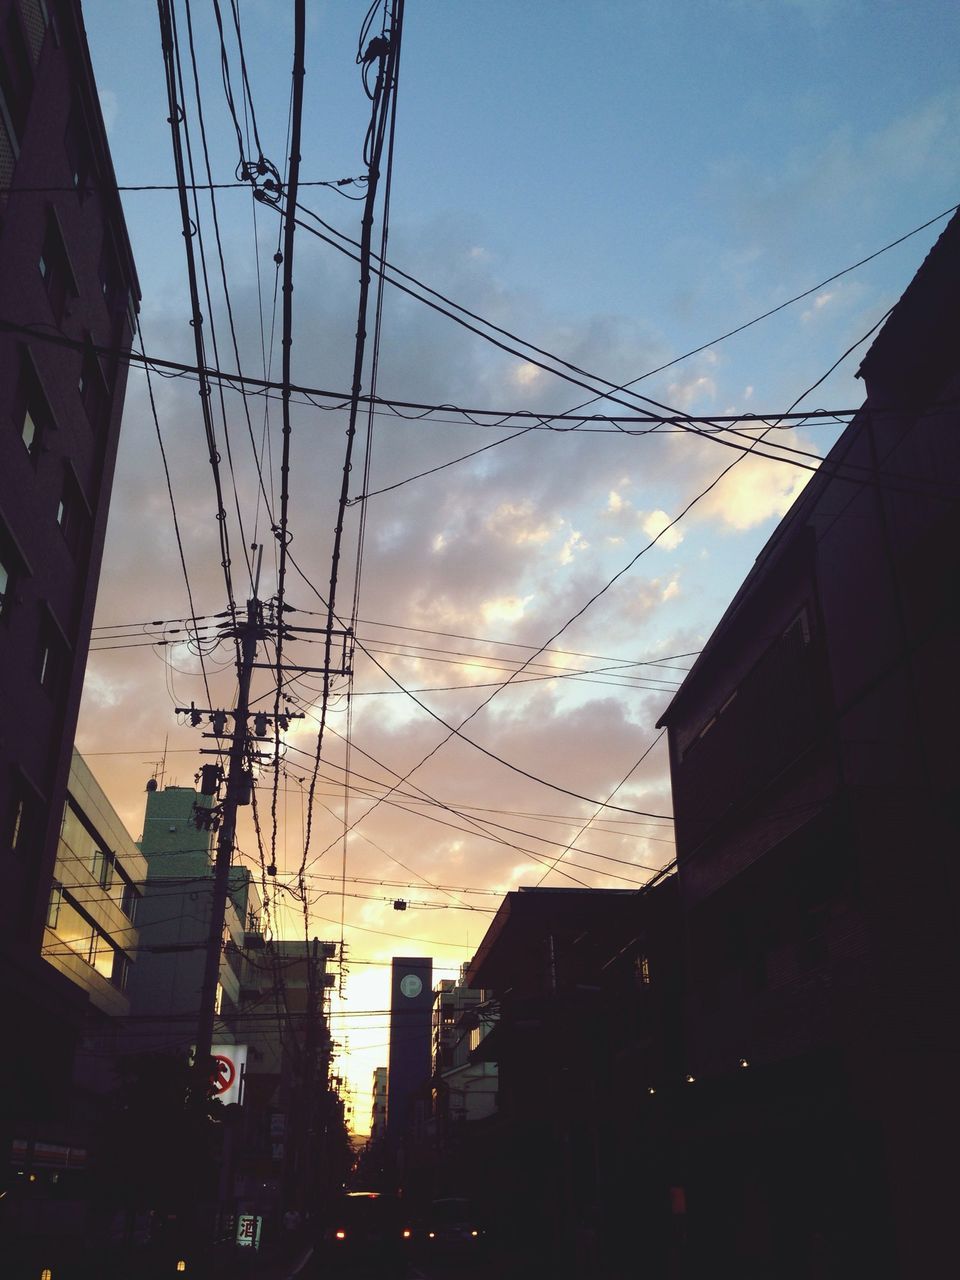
<point>237,785</point>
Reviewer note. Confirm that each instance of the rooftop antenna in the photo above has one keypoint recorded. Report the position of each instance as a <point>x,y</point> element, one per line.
<point>163,762</point>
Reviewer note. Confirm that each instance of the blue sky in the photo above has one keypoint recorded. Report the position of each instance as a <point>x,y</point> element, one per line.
<point>619,183</point>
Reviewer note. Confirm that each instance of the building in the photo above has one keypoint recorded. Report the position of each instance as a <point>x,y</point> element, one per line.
<point>814,764</point>
<point>91,939</point>
<point>68,303</point>
<point>585,986</point>
<point>271,1008</point>
<point>91,932</point>
<point>175,921</point>
<point>464,1089</point>
<point>408,1077</point>
<point>378,1110</point>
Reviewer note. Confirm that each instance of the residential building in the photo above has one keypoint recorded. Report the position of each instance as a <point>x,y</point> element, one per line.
<point>814,762</point>
<point>68,303</point>
<point>378,1111</point>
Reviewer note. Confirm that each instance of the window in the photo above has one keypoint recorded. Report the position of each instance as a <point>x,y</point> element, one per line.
<point>53,907</point>
<point>101,864</point>
<point>73,514</point>
<point>53,656</point>
<point>109,275</point>
<point>76,931</point>
<point>31,412</point>
<point>55,268</point>
<point>121,970</point>
<point>12,568</point>
<point>36,19</point>
<point>93,387</point>
<point>24,816</point>
<point>77,152</point>
<point>16,77</point>
<point>642,970</point>
<point>129,898</point>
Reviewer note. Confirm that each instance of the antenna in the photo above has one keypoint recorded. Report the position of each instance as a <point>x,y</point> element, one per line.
<point>163,762</point>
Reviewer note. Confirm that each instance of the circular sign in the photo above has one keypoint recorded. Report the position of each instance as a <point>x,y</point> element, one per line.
<point>223,1074</point>
<point>410,985</point>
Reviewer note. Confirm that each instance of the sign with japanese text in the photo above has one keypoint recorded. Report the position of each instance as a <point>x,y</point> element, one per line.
<point>248,1230</point>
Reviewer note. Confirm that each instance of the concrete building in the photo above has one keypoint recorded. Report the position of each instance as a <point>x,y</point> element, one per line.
<point>814,761</point>
<point>68,302</point>
<point>164,988</point>
<point>91,932</point>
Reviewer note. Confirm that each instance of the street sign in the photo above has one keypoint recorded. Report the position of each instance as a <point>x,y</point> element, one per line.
<point>248,1230</point>
<point>230,1061</point>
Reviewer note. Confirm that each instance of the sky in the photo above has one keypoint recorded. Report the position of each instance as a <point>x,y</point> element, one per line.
<point>617,183</point>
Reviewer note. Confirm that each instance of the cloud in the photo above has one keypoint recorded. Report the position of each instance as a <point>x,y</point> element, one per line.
<point>526,374</point>
<point>756,490</point>
<point>693,391</point>
<point>656,524</point>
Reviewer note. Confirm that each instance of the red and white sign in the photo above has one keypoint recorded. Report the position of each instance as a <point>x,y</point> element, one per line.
<point>230,1063</point>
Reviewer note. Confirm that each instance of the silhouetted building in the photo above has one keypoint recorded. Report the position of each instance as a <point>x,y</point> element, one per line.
<point>814,759</point>
<point>586,985</point>
<point>68,290</point>
<point>378,1109</point>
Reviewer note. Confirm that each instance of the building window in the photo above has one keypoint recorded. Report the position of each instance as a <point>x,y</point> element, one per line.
<point>93,387</point>
<point>101,864</point>
<point>121,970</point>
<point>77,151</point>
<point>77,932</point>
<point>31,412</point>
<point>12,568</point>
<point>55,270</point>
<point>109,275</point>
<point>129,898</point>
<point>18,825</point>
<point>53,907</point>
<point>24,815</point>
<point>16,76</point>
<point>73,514</point>
<point>642,970</point>
<point>53,657</point>
<point>74,930</point>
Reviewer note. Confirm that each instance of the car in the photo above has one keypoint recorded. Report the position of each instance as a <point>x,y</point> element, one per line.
<point>364,1231</point>
<point>452,1226</point>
